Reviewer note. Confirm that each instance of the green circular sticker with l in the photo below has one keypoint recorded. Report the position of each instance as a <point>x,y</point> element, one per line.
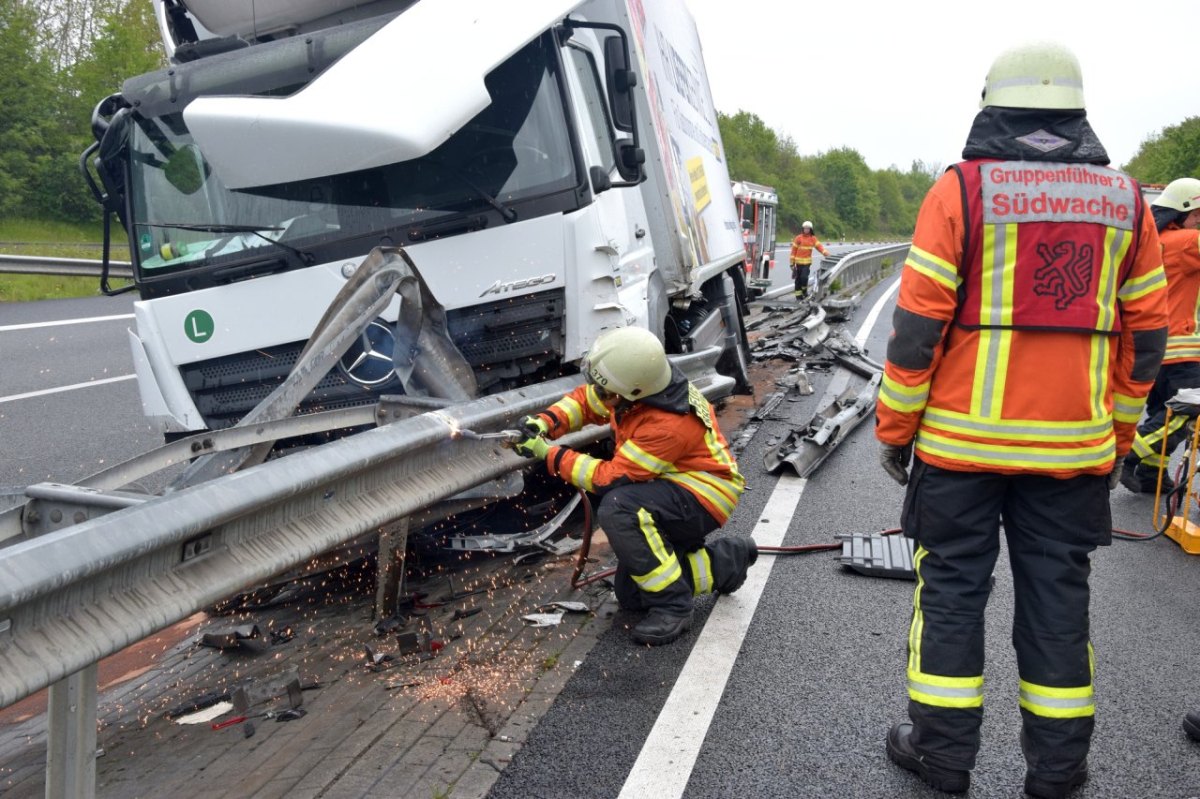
<point>199,327</point>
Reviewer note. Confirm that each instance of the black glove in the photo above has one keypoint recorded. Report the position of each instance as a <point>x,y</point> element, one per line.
<point>894,459</point>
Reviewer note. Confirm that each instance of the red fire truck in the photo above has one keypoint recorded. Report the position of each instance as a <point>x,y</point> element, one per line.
<point>757,206</point>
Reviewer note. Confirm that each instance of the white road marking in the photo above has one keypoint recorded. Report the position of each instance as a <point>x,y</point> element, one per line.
<point>33,325</point>
<point>45,391</point>
<point>668,757</point>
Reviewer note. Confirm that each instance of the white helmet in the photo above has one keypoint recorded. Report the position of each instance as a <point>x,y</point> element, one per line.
<point>628,361</point>
<point>806,224</point>
<point>1034,75</point>
<point>1183,195</point>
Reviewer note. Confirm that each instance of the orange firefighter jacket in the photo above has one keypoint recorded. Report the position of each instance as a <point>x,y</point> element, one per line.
<point>802,247</point>
<point>672,435</point>
<point>1181,258</point>
<point>998,398</point>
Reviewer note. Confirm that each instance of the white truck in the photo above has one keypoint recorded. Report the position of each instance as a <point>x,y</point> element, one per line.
<point>552,167</point>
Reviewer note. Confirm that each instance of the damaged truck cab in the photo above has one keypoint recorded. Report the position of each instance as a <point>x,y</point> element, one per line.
<point>552,172</point>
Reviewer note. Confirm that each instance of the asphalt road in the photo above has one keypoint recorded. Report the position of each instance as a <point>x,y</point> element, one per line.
<point>68,406</point>
<point>819,676</point>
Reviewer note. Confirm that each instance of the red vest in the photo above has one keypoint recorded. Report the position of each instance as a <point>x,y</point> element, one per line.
<point>1047,245</point>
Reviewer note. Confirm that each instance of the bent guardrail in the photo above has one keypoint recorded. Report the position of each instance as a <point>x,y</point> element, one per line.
<point>859,270</point>
<point>140,569</point>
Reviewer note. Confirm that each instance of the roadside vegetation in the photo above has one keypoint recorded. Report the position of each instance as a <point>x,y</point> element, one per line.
<point>53,239</point>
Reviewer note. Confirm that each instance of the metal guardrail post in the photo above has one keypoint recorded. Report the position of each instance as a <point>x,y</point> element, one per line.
<point>71,745</point>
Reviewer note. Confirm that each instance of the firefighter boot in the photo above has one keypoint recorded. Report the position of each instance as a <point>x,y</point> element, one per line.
<point>1142,479</point>
<point>660,627</point>
<point>1047,789</point>
<point>1191,725</point>
<point>901,752</point>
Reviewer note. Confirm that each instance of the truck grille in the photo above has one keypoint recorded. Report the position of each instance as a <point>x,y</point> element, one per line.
<point>506,342</point>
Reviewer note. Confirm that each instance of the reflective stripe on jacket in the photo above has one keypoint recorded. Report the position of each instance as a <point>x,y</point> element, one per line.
<point>802,247</point>
<point>672,435</point>
<point>1181,259</point>
<point>999,399</point>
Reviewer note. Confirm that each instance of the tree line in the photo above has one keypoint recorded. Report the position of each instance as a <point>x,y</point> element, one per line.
<point>835,190</point>
<point>59,58</point>
<point>841,195</point>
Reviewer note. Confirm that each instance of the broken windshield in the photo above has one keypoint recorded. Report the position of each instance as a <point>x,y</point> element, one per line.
<point>517,149</point>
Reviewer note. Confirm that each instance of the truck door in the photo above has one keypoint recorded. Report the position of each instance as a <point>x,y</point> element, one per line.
<point>620,226</point>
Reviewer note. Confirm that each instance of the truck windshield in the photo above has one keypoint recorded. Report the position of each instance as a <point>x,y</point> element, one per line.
<point>515,151</point>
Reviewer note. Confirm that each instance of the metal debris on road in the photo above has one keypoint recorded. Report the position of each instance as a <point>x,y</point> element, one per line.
<point>205,715</point>
<point>805,449</point>
<point>543,619</point>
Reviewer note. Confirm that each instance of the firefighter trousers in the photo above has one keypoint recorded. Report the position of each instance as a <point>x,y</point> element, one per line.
<point>1051,527</point>
<point>801,272</point>
<point>657,530</point>
<point>1147,445</point>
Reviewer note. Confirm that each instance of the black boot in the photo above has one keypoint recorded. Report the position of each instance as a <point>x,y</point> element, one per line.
<point>1141,479</point>
<point>901,752</point>
<point>660,627</point>
<point>1055,789</point>
<point>1191,725</point>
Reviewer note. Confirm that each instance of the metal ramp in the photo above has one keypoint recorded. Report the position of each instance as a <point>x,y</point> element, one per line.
<point>878,555</point>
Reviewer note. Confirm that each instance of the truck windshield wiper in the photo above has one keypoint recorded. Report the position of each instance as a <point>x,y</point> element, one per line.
<point>306,258</point>
<point>508,214</point>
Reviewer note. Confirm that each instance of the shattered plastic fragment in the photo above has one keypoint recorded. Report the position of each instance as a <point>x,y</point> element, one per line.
<point>543,619</point>
<point>205,715</point>
<point>570,607</point>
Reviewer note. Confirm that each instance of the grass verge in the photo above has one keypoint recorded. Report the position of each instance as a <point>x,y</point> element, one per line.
<point>53,240</point>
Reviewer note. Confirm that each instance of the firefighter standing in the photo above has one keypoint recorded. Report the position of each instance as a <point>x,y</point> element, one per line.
<point>802,257</point>
<point>1177,216</point>
<point>1030,323</point>
<point>671,482</point>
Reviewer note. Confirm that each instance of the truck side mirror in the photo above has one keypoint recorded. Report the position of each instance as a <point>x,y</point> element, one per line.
<point>630,159</point>
<point>621,80</point>
<point>600,179</point>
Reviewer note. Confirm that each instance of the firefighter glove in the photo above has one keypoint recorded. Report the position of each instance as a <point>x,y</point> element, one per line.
<point>894,459</point>
<point>532,447</point>
<point>535,425</point>
<point>1114,476</point>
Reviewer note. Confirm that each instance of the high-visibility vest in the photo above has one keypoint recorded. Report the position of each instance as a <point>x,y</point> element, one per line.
<point>1046,245</point>
<point>684,447</point>
<point>1019,393</point>
<point>802,247</point>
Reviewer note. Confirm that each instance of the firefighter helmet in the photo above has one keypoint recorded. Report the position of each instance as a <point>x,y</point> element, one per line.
<point>1182,195</point>
<point>1034,75</point>
<point>628,361</point>
<point>806,224</point>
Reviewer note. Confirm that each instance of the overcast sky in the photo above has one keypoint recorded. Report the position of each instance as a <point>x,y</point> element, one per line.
<point>901,81</point>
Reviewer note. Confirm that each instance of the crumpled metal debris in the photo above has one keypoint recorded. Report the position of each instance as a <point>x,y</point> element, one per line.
<point>805,449</point>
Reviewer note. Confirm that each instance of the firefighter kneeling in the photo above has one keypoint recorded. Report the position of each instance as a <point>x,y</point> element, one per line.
<point>671,481</point>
